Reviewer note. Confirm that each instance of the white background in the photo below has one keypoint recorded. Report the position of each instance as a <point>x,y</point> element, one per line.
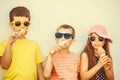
<point>47,15</point>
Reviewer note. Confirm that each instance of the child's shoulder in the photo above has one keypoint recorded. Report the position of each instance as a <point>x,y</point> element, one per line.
<point>4,41</point>
<point>83,54</point>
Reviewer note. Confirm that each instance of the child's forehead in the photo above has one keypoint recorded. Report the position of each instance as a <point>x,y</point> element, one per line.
<point>20,18</point>
<point>65,30</point>
<point>94,34</point>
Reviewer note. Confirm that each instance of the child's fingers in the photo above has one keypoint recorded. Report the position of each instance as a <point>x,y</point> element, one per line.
<point>109,60</point>
<point>58,47</point>
<point>106,59</point>
<point>54,49</point>
<point>103,60</point>
<point>15,35</point>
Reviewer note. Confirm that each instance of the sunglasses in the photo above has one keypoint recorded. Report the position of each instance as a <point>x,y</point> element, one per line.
<point>94,38</point>
<point>66,35</point>
<point>19,23</point>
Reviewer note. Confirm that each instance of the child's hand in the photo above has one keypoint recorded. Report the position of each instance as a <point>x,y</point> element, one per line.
<point>108,65</point>
<point>103,60</point>
<point>54,49</point>
<point>13,37</point>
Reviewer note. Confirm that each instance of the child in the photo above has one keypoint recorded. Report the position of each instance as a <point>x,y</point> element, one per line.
<point>62,64</point>
<point>20,56</point>
<point>96,61</point>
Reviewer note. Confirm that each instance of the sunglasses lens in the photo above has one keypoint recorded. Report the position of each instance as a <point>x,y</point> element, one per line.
<point>18,23</point>
<point>67,36</point>
<point>58,35</point>
<point>92,38</point>
<point>101,39</point>
<point>26,23</point>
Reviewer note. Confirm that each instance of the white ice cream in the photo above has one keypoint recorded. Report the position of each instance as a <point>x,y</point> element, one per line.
<point>22,32</point>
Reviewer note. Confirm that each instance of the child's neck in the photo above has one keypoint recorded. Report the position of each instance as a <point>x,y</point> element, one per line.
<point>64,51</point>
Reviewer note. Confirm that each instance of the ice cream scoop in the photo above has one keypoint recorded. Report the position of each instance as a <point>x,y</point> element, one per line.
<point>101,51</point>
<point>52,51</point>
<point>21,32</point>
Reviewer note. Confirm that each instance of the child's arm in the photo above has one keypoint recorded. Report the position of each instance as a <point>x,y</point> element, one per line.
<point>5,59</point>
<point>48,66</point>
<point>40,71</point>
<point>84,72</point>
<point>109,69</point>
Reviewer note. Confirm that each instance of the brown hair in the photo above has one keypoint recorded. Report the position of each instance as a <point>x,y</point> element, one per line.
<point>19,11</point>
<point>65,26</point>
<point>90,53</point>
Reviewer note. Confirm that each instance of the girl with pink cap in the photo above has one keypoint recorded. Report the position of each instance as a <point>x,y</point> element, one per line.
<point>96,61</point>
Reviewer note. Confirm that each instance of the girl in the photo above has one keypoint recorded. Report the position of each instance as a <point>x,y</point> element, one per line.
<point>96,61</point>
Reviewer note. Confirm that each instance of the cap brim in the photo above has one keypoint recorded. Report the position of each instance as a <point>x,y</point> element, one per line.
<point>110,40</point>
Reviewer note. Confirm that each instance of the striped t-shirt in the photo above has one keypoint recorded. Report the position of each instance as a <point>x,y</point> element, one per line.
<point>65,67</point>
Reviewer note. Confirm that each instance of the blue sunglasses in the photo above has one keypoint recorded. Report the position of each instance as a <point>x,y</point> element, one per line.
<point>66,35</point>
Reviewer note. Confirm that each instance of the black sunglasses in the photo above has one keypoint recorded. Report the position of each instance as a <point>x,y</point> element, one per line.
<point>66,35</point>
<point>94,38</point>
<point>25,23</point>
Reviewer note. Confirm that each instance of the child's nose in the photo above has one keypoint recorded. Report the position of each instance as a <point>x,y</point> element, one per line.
<point>22,26</point>
<point>96,39</point>
<point>63,38</point>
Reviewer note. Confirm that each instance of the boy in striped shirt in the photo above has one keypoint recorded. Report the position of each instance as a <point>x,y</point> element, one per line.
<point>62,64</point>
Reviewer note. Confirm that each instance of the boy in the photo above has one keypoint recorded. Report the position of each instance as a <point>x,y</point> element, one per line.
<point>20,57</point>
<point>61,64</point>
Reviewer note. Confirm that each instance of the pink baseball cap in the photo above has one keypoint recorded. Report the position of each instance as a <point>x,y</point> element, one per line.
<point>101,31</point>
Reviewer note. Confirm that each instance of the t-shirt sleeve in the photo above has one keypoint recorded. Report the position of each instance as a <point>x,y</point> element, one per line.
<point>2,47</point>
<point>39,56</point>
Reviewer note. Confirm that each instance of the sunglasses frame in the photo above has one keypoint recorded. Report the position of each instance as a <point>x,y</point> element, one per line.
<point>63,34</point>
<point>20,23</point>
<point>97,38</point>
